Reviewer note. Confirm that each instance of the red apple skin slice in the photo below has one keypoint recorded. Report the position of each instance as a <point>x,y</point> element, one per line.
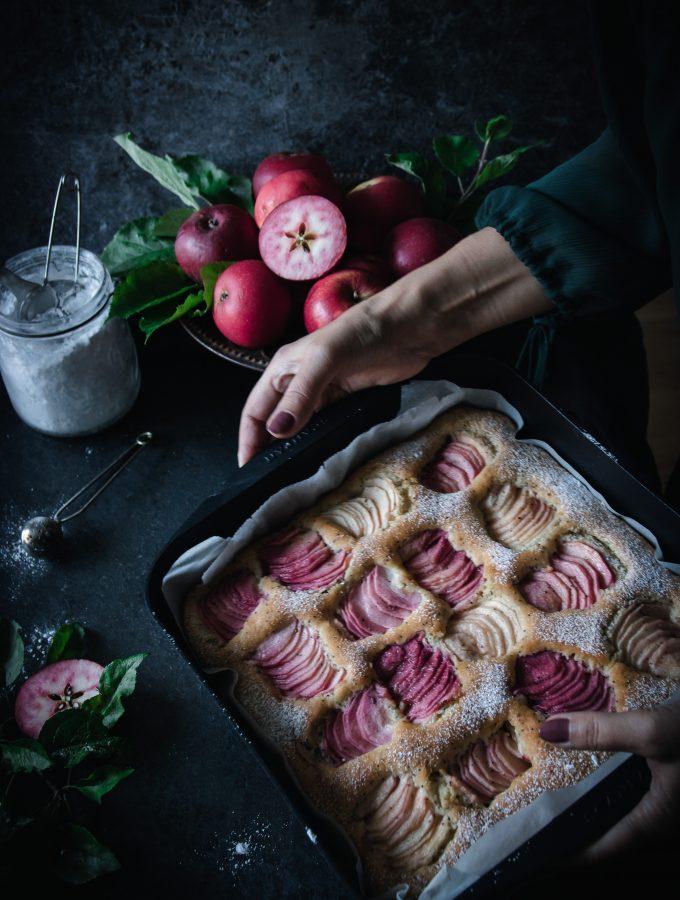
<point>62,685</point>
<point>421,677</point>
<point>295,661</point>
<point>455,466</point>
<point>303,238</point>
<point>574,579</point>
<point>300,559</point>
<point>553,683</point>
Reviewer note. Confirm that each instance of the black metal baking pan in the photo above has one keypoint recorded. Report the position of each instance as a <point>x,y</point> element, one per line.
<point>289,461</point>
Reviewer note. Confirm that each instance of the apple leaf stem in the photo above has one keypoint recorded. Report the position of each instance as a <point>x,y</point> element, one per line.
<point>40,808</point>
<point>470,165</point>
<point>480,167</point>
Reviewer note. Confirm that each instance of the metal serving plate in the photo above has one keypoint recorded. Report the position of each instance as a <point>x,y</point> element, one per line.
<point>204,331</point>
<point>286,462</point>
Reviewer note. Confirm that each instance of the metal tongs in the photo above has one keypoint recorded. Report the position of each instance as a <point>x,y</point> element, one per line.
<point>35,299</point>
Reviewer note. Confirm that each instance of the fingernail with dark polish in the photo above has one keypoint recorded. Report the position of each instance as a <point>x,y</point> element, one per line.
<point>555,730</point>
<point>282,422</point>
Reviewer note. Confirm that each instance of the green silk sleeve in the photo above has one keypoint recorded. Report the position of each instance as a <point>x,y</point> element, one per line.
<point>587,232</point>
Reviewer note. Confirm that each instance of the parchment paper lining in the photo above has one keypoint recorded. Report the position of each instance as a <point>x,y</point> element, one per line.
<point>421,402</point>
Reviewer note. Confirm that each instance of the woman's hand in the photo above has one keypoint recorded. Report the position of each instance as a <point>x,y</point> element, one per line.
<point>477,285</point>
<point>654,734</point>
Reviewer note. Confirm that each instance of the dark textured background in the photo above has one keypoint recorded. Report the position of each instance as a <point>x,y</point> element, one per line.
<point>232,81</point>
<point>235,81</point>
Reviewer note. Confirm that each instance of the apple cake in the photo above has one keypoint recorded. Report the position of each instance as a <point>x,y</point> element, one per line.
<point>402,641</point>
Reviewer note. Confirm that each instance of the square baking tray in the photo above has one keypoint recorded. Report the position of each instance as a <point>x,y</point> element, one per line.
<point>286,462</point>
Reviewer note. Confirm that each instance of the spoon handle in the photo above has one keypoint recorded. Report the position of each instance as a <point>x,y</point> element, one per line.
<point>107,474</point>
<point>18,286</point>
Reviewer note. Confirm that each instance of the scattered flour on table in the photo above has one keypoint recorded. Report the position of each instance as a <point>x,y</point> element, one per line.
<point>38,640</point>
<point>16,565</point>
<point>244,849</point>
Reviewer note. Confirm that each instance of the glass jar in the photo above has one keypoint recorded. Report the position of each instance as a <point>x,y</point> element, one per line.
<point>68,371</point>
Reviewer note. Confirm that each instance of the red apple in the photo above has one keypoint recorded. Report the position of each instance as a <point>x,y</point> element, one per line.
<point>368,262</point>
<point>215,233</point>
<point>277,163</point>
<point>303,238</point>
<point>289,185</point>
<point>251,305</point>
<point>414,243</point>
<point>374,207</point>
<point>333,295</point>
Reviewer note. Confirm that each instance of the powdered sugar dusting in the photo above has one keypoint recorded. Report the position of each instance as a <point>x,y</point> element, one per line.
<point>583,630</point>
<point>424,751</point>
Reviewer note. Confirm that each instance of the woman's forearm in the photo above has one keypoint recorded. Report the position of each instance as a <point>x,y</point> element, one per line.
<point>475,287</point>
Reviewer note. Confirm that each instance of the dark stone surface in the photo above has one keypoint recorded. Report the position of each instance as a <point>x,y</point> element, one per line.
<point>236,81</point>
<point>197,792</point>
<point>232,81</point>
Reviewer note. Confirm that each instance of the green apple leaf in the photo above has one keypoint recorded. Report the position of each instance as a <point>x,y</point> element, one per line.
<point>195,180</point>
<point>74,734</point>
<point>430,175</point>
<point>456,152</point>
<point>136,245</point>
<point>24,755</point>
<point>164,169</point>
<point>167,225</point>
<point>209,276</point>
<point>80,857</point>
<point>117,681</point>
<point>497,128</point>
<point>68,643</point>
<point>11,652</point>
<point>194,304</point>
<point>213,184</point>
<point>101,781</point>
<point>149,286</point>
<point>170,311</point>
<point>499,166</point>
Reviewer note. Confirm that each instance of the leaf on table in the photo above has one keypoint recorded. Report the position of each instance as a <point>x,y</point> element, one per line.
<point>456,152</point>
<point>80,857</point>
<point>11,652</point>
<point>68,643</point>
<point>167,225</point>
<point>164,169</point>
<point>149,286</point>
<point>101,781</point>
<point>11,824</point>
<point>496,129</point>
<point>74,734</point>
<point>24,755</point>
<point>117,681</point>
<point>136,244</point>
